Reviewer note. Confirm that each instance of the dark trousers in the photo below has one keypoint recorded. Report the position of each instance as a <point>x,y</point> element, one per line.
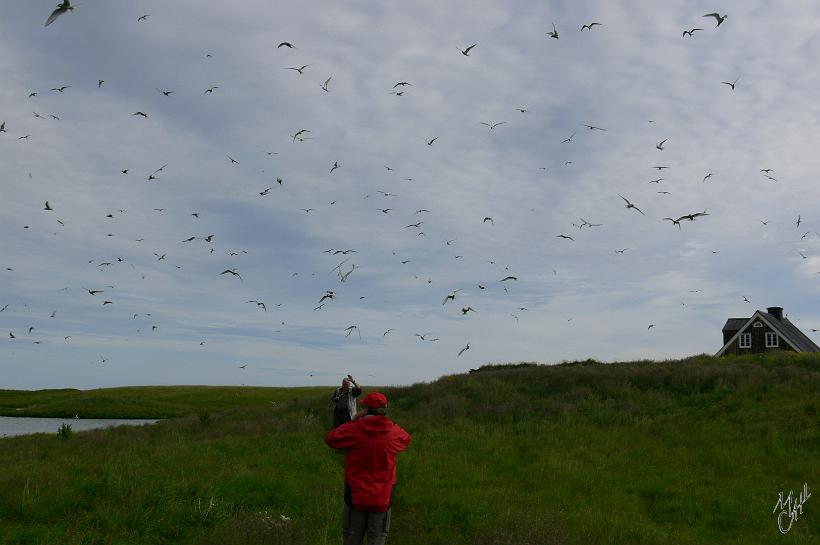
<point>340,417</point>
<point>355,524</point>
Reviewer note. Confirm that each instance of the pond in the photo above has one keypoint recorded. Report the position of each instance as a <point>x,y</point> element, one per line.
<point>19,425</point>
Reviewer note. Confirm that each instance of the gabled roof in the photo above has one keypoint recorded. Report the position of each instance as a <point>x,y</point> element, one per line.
<point>784,328</point>
<point>734,324</point>
<point>788,330</point>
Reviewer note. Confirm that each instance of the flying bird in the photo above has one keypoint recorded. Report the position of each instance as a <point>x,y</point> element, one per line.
<point>732,85</point>
<point>592,127</point>
<point>488,218</point>
<point>566,237</point>
<point>430,142</point>
<point>300,69</point>
<point>334,167</point>
<point>61,8</point>
<point>298,134</point>
<point>589,26</point>
<point>674,221</point>
<point>233,272</point>
<point>568,140</point>
<point>451,297</point>
<point>690,32</point>
<point>48,206</point>
<point>508,278</point>
<point>143,17</point>
<point>630,205</point>
<point>660,144</point>
<point>61,89</point>
<point>463,350</point>
<point>324,85</point>
<point>210,89</point>
<point>717,17</point>
<point>493,125</point>
<point>466,52</point>
<point>554,33</point>
<point>286,44</point>
<point>259,304</point>
<point>143,114</point>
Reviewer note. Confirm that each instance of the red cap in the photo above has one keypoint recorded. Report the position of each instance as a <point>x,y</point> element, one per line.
<point>374,400</point>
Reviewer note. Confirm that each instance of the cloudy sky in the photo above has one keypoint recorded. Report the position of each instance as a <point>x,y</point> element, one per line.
<point>177,320</point>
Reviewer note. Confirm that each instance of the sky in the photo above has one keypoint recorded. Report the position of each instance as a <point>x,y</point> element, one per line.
<point>489,203</point>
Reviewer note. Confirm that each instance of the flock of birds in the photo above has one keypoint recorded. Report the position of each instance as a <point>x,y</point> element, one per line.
<point>346,267</point>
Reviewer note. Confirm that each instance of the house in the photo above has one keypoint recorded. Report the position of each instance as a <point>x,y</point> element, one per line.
<point>764,332</point>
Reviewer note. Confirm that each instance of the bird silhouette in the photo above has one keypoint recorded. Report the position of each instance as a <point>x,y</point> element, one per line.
<point>717,17</point>
<point>589,26</point>
<point>466,52</point>
<point>554,33</point>
<point>301,69</point>
<point>690,32</point>
<point>62,7</point>
<point>630,205</point>
<point>233,272</point>
<point>325,84</point>
<point>450,297</point>
<point>732,84</point>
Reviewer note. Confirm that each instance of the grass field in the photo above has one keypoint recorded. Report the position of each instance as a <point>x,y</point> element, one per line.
<point>679,452</point>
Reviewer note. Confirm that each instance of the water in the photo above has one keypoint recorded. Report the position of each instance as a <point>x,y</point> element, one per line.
<point>16,425</point>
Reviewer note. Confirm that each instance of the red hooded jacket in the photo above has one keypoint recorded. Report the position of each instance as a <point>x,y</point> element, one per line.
<point>370,465</point>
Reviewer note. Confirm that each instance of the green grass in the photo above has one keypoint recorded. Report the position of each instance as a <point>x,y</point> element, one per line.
<point>679,452</point>
<point>143,401</point>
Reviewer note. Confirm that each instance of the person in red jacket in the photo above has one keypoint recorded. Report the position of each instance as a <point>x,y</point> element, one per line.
<point>372,441</point>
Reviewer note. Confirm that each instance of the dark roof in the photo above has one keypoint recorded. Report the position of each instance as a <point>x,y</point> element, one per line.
<point>791,332</point>
<point>734,324</point>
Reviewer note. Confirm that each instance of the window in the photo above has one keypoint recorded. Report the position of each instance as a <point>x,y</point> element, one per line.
<point>771,340</point>
<point>745,340</point>
<point>758,324</point>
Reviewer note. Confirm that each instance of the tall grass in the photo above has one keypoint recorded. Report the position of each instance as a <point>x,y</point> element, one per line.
<point>680,452</point>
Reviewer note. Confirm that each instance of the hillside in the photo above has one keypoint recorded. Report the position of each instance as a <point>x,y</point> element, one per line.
<point>677,452</point>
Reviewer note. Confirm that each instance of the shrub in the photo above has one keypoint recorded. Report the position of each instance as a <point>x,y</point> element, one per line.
<point>64,431</point>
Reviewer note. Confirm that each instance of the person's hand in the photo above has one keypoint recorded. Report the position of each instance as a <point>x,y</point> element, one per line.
<point>360,414</point>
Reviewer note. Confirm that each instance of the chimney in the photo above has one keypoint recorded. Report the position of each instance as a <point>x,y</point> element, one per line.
<point>777,312</point>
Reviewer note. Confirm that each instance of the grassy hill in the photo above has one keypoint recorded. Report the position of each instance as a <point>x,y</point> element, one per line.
<point>677,452</point>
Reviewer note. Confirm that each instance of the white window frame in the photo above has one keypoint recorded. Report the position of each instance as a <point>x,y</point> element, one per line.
<point>745,337</point>
<point>776,343</point>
